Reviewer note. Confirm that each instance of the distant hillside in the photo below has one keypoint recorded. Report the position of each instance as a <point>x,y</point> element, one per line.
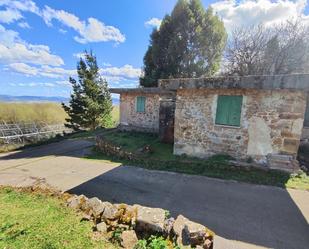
<point>9,98</point>
<point>57,99</point>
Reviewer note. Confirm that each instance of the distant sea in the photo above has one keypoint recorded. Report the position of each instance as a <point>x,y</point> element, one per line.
<point>57,99</point>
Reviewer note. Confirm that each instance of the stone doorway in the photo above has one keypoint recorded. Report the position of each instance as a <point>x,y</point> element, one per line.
<point>166,119</point>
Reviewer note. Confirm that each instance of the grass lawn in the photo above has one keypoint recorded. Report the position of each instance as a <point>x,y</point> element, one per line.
<point>36,221</point>
<point>162,158</point>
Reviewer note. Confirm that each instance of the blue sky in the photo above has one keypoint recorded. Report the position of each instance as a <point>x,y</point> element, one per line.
<point>40,41</point>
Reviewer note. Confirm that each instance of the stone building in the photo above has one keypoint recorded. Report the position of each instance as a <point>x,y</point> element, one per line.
<point>258,117</point>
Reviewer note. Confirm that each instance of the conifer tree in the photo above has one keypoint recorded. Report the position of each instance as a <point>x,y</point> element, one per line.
<point>90,105</point>
<point>189,43</point>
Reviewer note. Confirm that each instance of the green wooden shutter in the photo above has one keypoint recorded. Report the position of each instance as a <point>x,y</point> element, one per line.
<point>140,103</point>
<point>229,110</point>
<point>222,110</point>
<point>235,110</point>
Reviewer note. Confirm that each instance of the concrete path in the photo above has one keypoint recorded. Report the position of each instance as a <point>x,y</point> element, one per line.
<point>243,215</point>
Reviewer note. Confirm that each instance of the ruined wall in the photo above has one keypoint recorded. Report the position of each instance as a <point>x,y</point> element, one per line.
<point>271,122</point>
<point>130,119</point>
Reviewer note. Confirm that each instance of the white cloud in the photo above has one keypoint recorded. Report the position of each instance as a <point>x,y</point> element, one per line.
<point>253,12</point>
<point>9,15</point>
<point>127,71</point>
<point>29,54</point>
<point>154,22</point>
<point>114,74</point>
<point>15,50</point>
<point>56,72</point>
<point>22,5</point>
<point>33,84</point>
<point>24,25</point>
<point>45,71</point>
<point>91,30</point>
<point>8,37</point>
<point>62,31</point>
<point>63,82</point>
<point>23,68</point>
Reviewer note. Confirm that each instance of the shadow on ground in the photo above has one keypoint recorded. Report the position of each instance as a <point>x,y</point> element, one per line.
<point>68,147</point>
<point>260,215</point>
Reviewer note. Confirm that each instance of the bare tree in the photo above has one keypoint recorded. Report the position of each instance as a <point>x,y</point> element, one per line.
<point>259,50</point>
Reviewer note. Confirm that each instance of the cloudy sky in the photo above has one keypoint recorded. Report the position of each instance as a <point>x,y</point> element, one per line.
<point>41,41</point>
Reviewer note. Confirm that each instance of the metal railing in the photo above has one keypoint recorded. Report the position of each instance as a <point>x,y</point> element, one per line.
<point>24,132</point>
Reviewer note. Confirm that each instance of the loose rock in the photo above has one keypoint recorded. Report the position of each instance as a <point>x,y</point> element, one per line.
<point>189,232</point>
<point>127,214</point>
<point>76,201</point>
<point>168,225</point>
<point>128,239</point>
<point>101,227</point>
<point>94,206</point>
<point>207,244</point>
<point>86,217</point>
<point>150,219</point>
<point>110,211</point>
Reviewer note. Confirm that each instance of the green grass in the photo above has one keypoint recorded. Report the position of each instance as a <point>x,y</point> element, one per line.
<point>162,158</point>
<point>133,141</point>
<point>36,221</point>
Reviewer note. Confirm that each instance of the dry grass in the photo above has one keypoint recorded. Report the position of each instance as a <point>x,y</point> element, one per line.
<point>116,114</point>
<point>51,113</point>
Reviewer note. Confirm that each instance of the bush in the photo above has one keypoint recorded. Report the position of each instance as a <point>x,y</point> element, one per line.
<point>154,243</point>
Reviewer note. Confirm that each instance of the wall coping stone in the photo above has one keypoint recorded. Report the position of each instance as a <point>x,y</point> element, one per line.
<point>262,82</point>
<point>151,90</point>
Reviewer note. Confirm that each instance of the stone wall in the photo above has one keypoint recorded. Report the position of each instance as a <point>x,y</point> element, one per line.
<point>305,134</point>
<point>271,123</point>
<point>139,222</point>
<point>130,119</point>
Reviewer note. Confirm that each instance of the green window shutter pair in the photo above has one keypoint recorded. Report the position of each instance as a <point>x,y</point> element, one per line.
<point>140,104</point>
<point>229,110</point>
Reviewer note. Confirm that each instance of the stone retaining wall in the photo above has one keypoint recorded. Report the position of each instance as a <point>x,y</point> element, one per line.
<point>134,222</point>
<point>271,123</point>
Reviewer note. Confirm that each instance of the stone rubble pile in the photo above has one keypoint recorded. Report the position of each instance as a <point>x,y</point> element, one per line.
<point>138,222</point>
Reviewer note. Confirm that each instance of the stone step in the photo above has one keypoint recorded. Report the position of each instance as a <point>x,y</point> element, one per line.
<point>280,157</point>
<point>282,162</point>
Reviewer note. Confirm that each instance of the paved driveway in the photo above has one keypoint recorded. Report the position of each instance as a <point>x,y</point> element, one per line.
<point>246,216</point>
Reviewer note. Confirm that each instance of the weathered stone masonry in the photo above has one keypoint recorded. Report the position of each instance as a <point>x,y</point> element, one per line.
<point>271,123</point>
<point>271,119</point>
<point>148,120</point>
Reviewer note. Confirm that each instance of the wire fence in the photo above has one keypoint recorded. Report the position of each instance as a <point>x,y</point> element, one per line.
<point>21,133</point>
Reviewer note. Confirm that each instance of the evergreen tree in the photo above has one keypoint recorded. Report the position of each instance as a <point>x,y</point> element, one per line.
<point>90,105</point>
<point>189,43</point>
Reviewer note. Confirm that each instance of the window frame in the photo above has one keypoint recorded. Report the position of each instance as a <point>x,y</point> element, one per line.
<point>136,104</point>
<point>228,123</point>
